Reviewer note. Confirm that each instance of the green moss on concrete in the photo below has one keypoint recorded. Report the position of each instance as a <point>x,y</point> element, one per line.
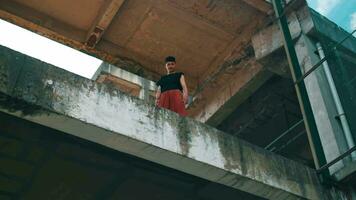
<point>232,151</point>
<point>13,105</point>
<point>183,131</point>
<point>184,135</point>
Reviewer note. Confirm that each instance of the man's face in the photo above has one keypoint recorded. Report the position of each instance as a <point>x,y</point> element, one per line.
<point>170,66</point>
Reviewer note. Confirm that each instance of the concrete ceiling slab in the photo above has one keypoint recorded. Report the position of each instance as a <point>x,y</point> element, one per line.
<point>198,32</point>
<point>229,15</point>
<point>79,13</point>
<point>194,48</point>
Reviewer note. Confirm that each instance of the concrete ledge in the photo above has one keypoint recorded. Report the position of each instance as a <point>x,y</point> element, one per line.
<point>145,86</point>
<point>346,172</point>
<point>50,96</point>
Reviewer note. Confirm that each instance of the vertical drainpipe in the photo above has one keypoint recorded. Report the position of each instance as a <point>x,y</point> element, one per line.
<point>336,98</point>
<point>310,125</point>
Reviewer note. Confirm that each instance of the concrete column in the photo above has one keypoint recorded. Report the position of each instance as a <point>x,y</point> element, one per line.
<point>330,131</point>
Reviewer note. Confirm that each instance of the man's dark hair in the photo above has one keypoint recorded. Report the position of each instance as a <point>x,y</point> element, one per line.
<point>170,59</point>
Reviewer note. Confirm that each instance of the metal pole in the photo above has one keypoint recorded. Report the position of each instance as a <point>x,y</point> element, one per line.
<point>336,98</point>
<point>290,141</point>
<point>283,134</point>
<point>346,153</point>
<point>310,125</point>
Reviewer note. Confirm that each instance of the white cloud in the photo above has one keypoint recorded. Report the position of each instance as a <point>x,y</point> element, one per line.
<point>325,6</point>
<point>49,51</point>
<point>353,22</point>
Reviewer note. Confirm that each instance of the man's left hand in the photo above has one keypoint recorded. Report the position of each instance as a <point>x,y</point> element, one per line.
<point>185,98</point>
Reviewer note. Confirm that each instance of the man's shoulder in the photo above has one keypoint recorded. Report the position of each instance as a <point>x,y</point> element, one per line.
<point>179,73</point>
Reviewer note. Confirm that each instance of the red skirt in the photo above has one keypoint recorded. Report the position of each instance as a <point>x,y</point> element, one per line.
<point>172,100</point>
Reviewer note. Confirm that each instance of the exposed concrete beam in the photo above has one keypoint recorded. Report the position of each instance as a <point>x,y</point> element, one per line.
<point>238,44</point>
<point>52,97</point>
<point>102,22</point>
<point>270,38</point>
<point>224,82</point>
<point>214,104</point>
<point>268,44</point>
<point>260,5</point>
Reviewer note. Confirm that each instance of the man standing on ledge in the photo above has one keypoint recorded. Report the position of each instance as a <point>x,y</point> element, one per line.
<point>172,92</point>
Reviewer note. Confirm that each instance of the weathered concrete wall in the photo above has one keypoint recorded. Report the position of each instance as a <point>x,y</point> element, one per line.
<point>50,96</point>
<point>306,27</point>
<point>147,87</point>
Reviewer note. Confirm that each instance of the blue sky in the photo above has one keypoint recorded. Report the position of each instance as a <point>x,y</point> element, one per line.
<point>342,12</point>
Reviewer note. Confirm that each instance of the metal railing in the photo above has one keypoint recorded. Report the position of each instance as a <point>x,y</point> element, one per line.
<point>268,147</point>
<point>332,50</point>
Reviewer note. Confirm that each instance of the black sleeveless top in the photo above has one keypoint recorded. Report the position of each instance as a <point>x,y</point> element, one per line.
<point>170,82</point>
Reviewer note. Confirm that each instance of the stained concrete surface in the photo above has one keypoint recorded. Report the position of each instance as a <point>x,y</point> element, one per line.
<point>38,162</point>
<point>103,115</point>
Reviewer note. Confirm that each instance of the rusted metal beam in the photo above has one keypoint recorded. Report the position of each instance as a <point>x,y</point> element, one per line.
<point>102,22</point>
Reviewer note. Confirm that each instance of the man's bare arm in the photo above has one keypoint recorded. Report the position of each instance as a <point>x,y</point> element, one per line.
<point>185,89</point>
